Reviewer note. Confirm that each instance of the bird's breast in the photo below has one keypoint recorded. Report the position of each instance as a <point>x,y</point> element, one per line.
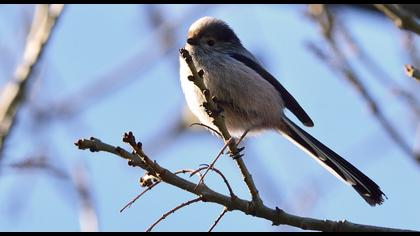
<point>247,99</point>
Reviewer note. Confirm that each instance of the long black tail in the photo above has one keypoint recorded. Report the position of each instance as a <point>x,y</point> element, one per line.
<point>341,168</point>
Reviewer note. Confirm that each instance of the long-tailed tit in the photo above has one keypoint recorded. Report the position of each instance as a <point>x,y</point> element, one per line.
<point>252,99</point>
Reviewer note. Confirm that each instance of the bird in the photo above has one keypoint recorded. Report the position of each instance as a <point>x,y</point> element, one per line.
<point>253,100</point>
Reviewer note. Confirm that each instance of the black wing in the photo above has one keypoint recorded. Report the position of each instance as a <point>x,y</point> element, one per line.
<point>289,100</point>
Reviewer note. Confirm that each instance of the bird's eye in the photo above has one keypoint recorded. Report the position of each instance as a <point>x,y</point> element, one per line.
<point>210,42</point>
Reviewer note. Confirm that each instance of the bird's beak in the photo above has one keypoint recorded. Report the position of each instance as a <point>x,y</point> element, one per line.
<point>192,41</point>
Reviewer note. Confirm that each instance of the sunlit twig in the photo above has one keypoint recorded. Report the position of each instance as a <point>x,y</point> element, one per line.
<point>218,219</point>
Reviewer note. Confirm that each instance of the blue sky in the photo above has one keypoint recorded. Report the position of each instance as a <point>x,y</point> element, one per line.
<point>92,40</point>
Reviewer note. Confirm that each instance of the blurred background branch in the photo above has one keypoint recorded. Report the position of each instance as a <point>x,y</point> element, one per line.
<point>13,95</point>
<point>88,218</point>
<point>400,17</point>
<point>329,27</point>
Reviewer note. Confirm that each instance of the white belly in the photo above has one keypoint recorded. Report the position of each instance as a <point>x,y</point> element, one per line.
<point>193,95</point>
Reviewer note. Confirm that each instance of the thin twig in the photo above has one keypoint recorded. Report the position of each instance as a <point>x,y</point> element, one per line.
<point>138,196</point>
<point>232,194</point>
<point>190,171</point>
<point>218,219</point>
<point>213,162</point>
<point>208,127</point>
<point>220,153</point>
<point>276,216</point>
<point>401,18</point>
<point>172,211</point>
<point>129,204</point>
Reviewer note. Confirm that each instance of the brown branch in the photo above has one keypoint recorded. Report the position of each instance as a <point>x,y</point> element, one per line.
<point>211,166</point>
<point>137,147</point>
<point>173,211</point>
<point>13,95</point>
<point>401,18</point>
<point>138,196</point>
<point>412,72</point>
<point>218,219</point>
<point>232,195</point>
<point>212,163</point>
<point>214,112</point>
<point>190,171</point>
<point>276,216</point>
<point>193,172</point>
<point>208,127</point>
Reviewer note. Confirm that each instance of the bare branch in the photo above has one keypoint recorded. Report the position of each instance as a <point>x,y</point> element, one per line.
<point>149,187</point>
<point>232,195</point>
<point>172,211</point>
<point>138,196</point>
<point>193,172</point>
<point>13,95</point>
<point>401,18</point>
<point>137,147</point>
<point>88,218</point>
<point>190,171</point>
<point>208,127</point>
<point>211,166</point>
<point>212,163</point>
<point>276,216</point>
<point>218,219</point>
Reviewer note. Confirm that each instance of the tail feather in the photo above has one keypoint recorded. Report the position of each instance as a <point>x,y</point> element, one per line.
<point>337,165</point>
